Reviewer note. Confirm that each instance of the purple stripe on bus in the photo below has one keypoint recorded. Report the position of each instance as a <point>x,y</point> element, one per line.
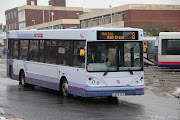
<point>43,80</point>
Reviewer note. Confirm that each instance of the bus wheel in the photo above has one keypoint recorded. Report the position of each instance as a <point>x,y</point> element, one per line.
<point>22,79</point>
<point>64,88</point>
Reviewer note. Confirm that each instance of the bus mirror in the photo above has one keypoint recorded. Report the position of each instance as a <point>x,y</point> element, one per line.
<point>82,52</point>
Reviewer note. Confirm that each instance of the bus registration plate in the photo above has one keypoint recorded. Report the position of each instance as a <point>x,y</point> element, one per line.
<point>118,94</point>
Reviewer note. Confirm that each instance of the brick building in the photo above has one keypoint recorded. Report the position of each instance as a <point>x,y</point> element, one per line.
<point>134,15</point>
<point>31,16</point>
<point>61,3</point>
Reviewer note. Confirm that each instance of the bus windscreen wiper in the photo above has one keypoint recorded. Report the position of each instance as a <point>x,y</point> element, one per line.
<point>106,72</point>
<point>131,72</point>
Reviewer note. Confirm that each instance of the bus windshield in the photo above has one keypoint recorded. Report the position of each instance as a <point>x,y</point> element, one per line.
<point>114,56</point>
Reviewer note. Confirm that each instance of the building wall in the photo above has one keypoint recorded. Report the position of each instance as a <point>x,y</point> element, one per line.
<point>61,3</point>
<point>29,2</point>
<point>12,22</point>
<point>134,15</point>
<point>58,24</point>
<point>140,18</point>
<point>37,15</point>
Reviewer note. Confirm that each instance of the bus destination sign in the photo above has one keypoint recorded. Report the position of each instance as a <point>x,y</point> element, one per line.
<point>117,35</point>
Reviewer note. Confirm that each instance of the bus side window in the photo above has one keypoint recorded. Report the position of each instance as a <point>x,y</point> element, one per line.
<point>65,53</point>
<point>16,49</point>
<point>78,60</point>
<point>34,50</point>
<point>23,49</point>
<point>51,51</point>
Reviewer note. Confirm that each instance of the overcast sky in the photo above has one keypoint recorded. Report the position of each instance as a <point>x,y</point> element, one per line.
<point>8,4</point>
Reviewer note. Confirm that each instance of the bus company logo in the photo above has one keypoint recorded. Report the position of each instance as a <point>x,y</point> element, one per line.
<point>38,35</point>
<point>81,35</point>
<point>118,82</point>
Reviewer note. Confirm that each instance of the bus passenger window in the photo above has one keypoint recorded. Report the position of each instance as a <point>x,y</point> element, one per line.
<point>78,60</point>
<point>65,53</point>
<point>23,49</point>
<point>51,51</point>
<point>34,49</point>
<point>41,52</point>
<point>16,49</point>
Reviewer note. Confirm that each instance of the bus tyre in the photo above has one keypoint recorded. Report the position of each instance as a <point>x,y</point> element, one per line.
<point>22,79</point>
<point>64,88</point>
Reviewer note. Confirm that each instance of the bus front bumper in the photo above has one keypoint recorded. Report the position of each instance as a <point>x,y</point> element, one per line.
<point>109,91</point>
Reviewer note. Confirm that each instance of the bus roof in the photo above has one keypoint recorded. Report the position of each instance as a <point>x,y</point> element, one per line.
<point>80,34</point>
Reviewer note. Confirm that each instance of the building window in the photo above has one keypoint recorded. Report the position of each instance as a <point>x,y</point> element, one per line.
<point>9,27</point>
<point>14,14</point>
<point>32,2</point>
<point>9,15</point>
<point>12,26</point>
<point>122,16</point>
<point>15,26</point>
<point>6,16</point>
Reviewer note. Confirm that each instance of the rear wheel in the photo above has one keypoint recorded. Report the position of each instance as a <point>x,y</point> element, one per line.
<point>22,79</point>
<point>64,88</point>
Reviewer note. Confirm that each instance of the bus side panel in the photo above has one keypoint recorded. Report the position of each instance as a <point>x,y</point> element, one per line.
<point>44,75</point>
<point>42,81</point>
<point>156,55</point>
<point>77,89</point>
<point>10,68</point>
<point>76,79</point>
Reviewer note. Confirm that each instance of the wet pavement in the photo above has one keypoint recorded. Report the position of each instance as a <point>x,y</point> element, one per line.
<point>43,104</point>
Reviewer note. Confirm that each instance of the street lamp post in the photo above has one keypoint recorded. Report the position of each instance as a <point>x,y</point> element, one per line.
<point>79,20</point>
<point>49,14</point>
<point>111,14</point>
<point>34,23</point>
<point>52,14</point>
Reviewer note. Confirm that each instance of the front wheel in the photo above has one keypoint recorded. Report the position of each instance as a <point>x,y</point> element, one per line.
<point>64,88</point>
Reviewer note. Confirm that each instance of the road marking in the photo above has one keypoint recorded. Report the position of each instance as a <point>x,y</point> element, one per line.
<point>16,119</point>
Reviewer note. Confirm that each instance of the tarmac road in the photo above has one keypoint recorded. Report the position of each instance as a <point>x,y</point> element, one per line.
<point>43,104</point>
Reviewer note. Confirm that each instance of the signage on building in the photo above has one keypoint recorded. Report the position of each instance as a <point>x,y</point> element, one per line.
<point>1,34</point>
<point>74,27</point>
<point>1,26</point>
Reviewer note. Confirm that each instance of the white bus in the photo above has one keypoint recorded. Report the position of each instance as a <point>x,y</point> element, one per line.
<point>169,49</point>
<point>88,63</point>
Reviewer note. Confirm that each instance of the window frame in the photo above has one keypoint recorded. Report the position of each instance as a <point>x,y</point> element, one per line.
<point>70,61</point>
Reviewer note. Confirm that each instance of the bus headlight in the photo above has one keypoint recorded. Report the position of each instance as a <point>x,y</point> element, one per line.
<point>95,81</point>
<point>98,83</point>
<point>138,80</point>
